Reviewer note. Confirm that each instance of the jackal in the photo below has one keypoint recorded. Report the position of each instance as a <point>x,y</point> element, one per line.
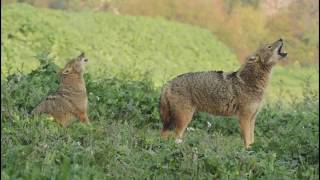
<point>236,93</point>
<point>71,97</point>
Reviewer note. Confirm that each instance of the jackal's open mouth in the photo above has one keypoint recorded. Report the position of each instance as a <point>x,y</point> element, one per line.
<point>282,53</point>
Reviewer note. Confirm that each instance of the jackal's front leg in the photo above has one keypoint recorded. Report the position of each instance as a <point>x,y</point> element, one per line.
<point>252,125</point>
<point>245,127</point>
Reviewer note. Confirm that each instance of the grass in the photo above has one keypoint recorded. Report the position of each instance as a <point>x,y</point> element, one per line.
<point>123,141</point>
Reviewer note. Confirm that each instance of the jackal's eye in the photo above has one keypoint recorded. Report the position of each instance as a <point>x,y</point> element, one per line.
<point>269,47</point>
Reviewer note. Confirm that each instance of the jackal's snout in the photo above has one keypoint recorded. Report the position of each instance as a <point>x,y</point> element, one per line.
<point>279,48</point>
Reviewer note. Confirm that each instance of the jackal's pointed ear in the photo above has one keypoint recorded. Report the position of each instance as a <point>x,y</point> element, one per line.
<point>253,58</point>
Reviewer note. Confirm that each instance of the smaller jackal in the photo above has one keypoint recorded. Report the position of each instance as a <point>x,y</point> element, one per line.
<point>226,94</point>
<point>70,100</point>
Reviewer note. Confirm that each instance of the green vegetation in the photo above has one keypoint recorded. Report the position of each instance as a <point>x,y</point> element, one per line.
<point>123,141</point>
<point>112,43</point>
<point>129,60</point>
<point>240,24</point>
<point>135,45</point>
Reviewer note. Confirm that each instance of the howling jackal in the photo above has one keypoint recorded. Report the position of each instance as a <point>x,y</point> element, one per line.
<point>226,94</point>
<point>71,97</point>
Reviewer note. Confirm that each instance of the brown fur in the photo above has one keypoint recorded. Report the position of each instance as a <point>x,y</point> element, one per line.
<point>226,94</point>
<point>71,97</point>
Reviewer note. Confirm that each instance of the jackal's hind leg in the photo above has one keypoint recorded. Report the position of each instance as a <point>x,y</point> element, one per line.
<point>181,120</point>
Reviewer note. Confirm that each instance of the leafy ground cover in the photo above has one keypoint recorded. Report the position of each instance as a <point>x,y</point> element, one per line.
<point>123,141</point>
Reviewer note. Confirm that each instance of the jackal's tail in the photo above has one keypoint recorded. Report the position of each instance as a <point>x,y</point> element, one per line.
<point>165,113</point>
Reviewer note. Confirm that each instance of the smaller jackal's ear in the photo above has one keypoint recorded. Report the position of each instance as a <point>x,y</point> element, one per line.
<point>66,70</point>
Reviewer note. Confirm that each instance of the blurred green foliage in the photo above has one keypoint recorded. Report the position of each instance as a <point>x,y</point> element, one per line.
<point>113,43</point>
<point>138,46</point>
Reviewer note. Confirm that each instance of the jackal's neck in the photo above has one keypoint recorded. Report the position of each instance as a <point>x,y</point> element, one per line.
<point>255,75</point>
<point>73,82</point>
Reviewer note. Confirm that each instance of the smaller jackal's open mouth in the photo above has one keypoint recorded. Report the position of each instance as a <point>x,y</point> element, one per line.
<point>281,52</point>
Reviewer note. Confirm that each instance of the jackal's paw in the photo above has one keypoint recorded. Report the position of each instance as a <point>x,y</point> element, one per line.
<point>179,141</point>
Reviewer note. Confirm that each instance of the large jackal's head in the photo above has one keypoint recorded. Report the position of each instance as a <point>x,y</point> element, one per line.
<point>269,54</point>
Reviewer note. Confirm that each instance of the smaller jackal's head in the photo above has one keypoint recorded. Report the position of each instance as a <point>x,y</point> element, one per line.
<point>75,66</point>
<point>269,54</point>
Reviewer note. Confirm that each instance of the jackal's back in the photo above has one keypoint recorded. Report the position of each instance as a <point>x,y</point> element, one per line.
<point>215,92</point>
